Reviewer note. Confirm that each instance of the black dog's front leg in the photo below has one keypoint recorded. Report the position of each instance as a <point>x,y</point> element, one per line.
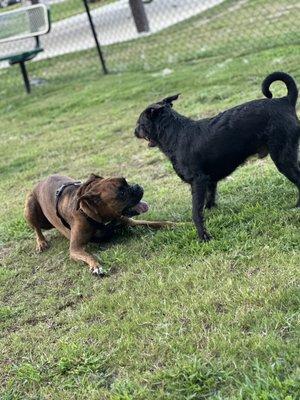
<point>199,190</point>
<point>211,195</point>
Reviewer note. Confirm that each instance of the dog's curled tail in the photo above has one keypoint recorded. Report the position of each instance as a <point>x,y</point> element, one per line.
<point>292,94</point>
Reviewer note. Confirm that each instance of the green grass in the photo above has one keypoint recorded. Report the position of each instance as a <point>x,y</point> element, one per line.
<point>18,26</point>
<point>177,319</point>
<point>68,8</point>
<point>10,8</point>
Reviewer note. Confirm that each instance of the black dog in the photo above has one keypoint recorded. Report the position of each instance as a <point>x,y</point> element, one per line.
<point>206,151</point>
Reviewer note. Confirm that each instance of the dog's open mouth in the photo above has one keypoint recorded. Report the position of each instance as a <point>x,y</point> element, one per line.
<point>151,143</point>
<point>140,208</point>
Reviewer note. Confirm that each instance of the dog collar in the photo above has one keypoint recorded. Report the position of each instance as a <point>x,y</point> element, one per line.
<point>58,194</point>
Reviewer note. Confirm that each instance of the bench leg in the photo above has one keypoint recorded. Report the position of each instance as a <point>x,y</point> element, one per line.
<point>25,77</point>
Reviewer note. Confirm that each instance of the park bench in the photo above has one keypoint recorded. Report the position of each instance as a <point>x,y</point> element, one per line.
<point>22,23</point>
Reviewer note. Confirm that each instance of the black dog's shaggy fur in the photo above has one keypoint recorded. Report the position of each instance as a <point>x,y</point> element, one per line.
<point>206,151</point>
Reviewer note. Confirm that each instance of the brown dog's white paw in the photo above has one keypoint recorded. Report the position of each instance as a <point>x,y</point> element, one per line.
<point>41,246</point>
<point>98,271</point>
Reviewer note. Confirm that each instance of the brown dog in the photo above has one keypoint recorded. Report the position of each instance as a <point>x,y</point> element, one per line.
<point>84,212</point>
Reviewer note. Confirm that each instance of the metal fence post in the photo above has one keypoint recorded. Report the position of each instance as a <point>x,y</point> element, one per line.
<point>87,8</point>
<point>139,15</point>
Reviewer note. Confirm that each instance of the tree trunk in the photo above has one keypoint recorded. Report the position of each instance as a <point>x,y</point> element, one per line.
<point>139,15</point>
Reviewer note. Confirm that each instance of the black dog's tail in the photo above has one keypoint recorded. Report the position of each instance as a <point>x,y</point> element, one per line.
<point>287,79</point>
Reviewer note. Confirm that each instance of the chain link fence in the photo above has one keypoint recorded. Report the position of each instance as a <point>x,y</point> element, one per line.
<point>154,34</point>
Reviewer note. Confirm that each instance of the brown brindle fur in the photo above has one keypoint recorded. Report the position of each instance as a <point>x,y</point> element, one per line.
<point>97,197</point>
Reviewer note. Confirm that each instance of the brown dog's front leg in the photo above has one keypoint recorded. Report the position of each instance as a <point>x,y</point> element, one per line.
<point>78,241</point>
<point>150,224</point>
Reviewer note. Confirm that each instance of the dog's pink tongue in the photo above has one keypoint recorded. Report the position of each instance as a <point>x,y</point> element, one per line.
<point>141,207</point>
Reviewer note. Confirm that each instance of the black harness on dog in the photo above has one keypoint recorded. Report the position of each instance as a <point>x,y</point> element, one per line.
<point>59,192</point>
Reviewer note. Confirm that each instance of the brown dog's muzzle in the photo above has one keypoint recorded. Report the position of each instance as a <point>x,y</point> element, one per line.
<point>137,192</point>
<point>135,206</point>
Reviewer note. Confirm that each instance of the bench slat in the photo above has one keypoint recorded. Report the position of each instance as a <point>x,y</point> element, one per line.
<point>21,57</point>
<point>24,22</point>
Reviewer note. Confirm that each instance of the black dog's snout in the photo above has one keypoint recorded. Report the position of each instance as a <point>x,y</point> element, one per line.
<point>136,132</point>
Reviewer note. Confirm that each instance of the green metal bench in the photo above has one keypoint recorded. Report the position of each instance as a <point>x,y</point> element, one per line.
<point>23,23</point>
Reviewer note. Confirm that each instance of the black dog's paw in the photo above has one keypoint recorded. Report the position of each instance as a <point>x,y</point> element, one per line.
<point>205,237</point>
<point>210,204</point>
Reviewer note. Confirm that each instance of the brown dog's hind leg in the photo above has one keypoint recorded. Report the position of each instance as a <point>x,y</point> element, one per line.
<point>79,238</point>
<point>37,220</point>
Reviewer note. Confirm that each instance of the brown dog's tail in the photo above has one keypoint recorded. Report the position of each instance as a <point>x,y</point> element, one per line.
<point>292,94</point>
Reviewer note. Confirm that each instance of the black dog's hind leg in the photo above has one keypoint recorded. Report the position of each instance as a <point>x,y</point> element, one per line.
<point>211,195</point>
<point>199,191</point>
<point>286,161</point>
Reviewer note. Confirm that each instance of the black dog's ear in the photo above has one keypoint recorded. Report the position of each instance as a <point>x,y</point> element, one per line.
<point>154,109</point>
<point>169,100</point>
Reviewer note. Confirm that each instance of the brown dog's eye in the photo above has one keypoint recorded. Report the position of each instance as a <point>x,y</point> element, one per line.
<point>97,200</point>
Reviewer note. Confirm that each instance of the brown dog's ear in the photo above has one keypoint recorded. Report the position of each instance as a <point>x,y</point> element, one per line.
<point>169,100</point>
<point>84,193</point>
<point>89,197</point>
<point>93,177</point>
